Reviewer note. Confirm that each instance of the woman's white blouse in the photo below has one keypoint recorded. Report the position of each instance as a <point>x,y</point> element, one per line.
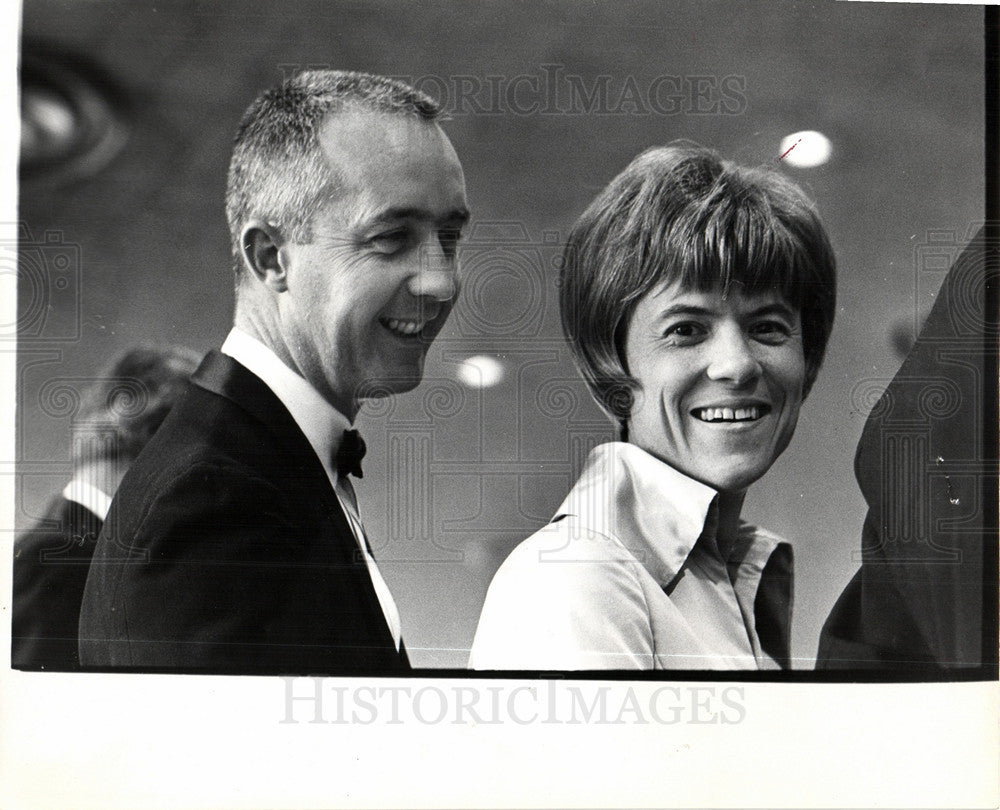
<point>628,576</point>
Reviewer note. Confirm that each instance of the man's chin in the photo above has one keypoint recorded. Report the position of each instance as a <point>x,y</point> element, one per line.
<point>387,386</point>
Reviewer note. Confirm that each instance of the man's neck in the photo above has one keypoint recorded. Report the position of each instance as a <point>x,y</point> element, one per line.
<point>262,330</point>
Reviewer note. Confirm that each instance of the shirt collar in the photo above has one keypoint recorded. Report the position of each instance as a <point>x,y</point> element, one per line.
<point>88,496</point>
<point>652,509</point>
<point>322,424</point>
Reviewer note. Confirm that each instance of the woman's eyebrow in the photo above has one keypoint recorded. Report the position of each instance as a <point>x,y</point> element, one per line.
<point>696,310</point>
<point>773,308</point>
<point>684,309</point>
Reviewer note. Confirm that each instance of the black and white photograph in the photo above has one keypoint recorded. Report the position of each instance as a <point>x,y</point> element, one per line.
<point>502,404</point>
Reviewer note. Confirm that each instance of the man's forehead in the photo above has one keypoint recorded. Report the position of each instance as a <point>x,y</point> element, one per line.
<point>362,132</point>
<point>391,166</point>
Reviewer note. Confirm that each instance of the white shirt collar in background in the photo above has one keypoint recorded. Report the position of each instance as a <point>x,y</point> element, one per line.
<point>88,496</point>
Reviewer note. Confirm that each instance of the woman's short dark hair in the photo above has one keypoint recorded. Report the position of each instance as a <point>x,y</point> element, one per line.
<point>681,213</point>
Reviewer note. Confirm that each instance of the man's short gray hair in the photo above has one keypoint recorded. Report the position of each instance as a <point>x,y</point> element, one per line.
<point>277,172</point>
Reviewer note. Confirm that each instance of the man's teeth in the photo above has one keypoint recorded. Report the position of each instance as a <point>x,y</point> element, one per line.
<point>728,414</point>
<point>404,327</point>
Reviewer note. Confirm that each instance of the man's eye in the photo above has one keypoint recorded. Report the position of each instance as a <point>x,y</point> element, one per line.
<point>390,242</point>
<point>449,238</point>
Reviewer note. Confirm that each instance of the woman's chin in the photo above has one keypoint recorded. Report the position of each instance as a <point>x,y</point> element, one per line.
<point>732,478</point>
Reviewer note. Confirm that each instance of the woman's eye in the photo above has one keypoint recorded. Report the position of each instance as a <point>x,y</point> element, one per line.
<point>686,330</point>
<point>771,331</point>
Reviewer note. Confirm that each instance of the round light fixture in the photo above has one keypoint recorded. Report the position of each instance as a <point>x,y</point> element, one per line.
<point>70,123</point>
<point>805,149</point>
<point>480,371</point>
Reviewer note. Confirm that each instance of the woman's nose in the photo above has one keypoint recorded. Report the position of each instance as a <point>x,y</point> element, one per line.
<point>733,359</point>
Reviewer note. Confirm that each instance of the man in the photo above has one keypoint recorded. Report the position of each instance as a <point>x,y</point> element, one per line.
<point>235,543</point>
<point>117,415</point>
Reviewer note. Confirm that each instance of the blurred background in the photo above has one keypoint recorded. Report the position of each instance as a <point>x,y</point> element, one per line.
<point>128,114</point>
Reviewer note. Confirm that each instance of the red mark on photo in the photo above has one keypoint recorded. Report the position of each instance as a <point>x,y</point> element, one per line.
<point>789,149</point>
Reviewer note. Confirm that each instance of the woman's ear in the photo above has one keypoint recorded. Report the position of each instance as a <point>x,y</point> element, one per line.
<point>260,251</point>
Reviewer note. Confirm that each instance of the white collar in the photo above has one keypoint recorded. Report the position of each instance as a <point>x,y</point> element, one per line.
<point>322,424</point>
<point>88,496</point>
<point>652,509</point>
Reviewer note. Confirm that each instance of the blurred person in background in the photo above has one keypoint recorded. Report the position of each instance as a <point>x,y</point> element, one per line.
<point>118,414</point>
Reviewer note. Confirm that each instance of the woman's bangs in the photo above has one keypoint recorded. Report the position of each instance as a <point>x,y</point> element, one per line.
<point>738,246</point>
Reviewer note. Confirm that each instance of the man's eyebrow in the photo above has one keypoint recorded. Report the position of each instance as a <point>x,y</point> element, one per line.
<point>457,216</point>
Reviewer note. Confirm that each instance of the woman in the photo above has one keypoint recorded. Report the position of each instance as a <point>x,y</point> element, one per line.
<point>697,297</point>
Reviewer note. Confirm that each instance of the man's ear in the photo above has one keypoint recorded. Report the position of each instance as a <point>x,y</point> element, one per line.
<point>260,249</point>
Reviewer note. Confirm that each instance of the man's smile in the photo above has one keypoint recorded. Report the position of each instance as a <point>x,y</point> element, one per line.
<point>403,327</point>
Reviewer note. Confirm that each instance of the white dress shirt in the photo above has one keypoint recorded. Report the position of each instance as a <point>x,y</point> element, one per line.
<point>629,576</point>
<point>323,426</point>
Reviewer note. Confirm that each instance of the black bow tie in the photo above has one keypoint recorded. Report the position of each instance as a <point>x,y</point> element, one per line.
<point>349,454</point>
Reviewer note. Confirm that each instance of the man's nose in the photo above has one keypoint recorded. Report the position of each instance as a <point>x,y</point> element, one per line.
<point>733,359</point>
<point>436,276</point>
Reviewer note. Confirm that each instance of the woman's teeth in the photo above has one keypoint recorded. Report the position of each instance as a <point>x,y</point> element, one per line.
<point>728,414</point>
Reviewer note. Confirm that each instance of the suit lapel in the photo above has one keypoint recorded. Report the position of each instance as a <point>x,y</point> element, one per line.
<point>222,375</point>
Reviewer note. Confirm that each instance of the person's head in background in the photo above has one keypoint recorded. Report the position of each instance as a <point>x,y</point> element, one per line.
<point>345,203</point>
<point>698,296</point>
<point>123,407</point>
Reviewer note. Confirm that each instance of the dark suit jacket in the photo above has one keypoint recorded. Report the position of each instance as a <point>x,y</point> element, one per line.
<point>50,569</point>
<point>226,550</point>
<point>918,601</point>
